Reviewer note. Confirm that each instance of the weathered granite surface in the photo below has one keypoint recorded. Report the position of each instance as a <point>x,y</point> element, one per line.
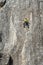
<point>25,46</point>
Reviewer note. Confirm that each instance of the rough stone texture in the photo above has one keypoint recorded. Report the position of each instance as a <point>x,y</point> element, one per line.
<point>25,46</point>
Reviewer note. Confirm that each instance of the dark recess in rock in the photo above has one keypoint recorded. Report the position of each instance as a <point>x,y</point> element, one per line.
<point>1,56</point>
<point>10,62</point>
<point>2,3</point>
<point>0,37</point>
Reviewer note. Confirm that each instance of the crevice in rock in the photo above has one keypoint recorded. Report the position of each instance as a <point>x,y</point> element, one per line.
<point>2,3</point>
<point>0,37</point>
<point>10,62</point>
<point>1,56</point>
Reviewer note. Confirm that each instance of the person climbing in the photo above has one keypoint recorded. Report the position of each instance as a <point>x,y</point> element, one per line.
<point>26,22</point>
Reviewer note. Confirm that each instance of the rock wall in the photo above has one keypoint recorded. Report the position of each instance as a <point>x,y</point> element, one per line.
<point>25,46</point>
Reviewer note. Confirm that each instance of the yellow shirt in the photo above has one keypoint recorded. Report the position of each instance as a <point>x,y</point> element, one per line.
<point>26,20</point>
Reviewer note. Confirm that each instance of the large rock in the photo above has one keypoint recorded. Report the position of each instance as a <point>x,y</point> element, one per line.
<point>25,46</point>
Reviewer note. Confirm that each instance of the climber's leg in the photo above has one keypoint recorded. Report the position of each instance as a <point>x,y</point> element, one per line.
<point>24,24</point>
<point>27,24</point>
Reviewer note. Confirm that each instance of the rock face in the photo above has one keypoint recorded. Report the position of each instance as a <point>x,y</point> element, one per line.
<point>23,45</point>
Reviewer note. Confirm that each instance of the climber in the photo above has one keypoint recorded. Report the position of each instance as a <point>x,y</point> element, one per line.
<point>26,22</point>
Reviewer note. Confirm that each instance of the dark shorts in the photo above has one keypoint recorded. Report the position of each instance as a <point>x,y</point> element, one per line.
<point>26,24</point>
